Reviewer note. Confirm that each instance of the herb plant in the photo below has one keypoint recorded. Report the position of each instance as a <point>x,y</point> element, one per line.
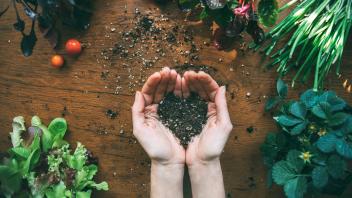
<point>50,16</point>
<point>43,164</point>
<point>319,30</point>
<point>311,151</point>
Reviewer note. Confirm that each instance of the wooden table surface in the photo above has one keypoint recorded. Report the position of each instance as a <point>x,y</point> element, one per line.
<point>79,92</point>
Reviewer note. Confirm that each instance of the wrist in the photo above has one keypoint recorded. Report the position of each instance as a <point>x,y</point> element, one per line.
<point>166,180</point>
<point>206,179</point>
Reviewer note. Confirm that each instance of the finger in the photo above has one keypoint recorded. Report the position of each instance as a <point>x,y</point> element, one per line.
<point>209,85</point>
<point>185,88</point>
<point>178,86</point>
<point>221,107</point>
<point>172,81</point>
<point>187,76</point>
<point>161,90</point>
<point>150,87</point>
<point>198,87</point>
<point>138,110</point>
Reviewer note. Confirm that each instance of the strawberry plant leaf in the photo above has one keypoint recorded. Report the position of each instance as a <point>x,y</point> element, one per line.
<point>344,148</point>
<point>326,143</point>
<point>309,98</point>
<point>338,119</point>
<point>320,176</point>
<point>283,172</point>
<point>298,109</point>
<point>322,110</point>
<point>296,187</point>
<point>281,88</point>
<point>336,167</point>
<point>296,130</point>
<point>286,120</point>
<point>294,161</point>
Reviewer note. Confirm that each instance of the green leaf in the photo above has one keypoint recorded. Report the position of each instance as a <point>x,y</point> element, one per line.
<point>57,191</point>
<point>344,148</point>
<point>78,159</point>
<point>82,194</point>
<point>17,128</point>
<point>326,143</point>
<point>58,127</point>
<point>187,4</point>
<point>272,102</point>
<point>10,177</point>
<point>322,110</point>
<point>21,151</point>
<point>320,176</point>
<point>338,119</point>
<point>286,120</point>
<point>232,4</point>
<point>47,138</point>
<point>36,121</point>
<point>31,161</point>
<point>283,172</point>
<point>282,88</point>
<point>268,12</point>
<point>298,109</point>
<point>203,14</point>
<point>35,143</point>
<point>296,130</point>
<point>336,167</point>
<point>309,98</point>
<point>296,187</point>
<point>294,161</point>
<point>100,186</point>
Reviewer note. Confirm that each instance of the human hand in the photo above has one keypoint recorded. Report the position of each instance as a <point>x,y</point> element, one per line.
<point>155,138</point>
<point>167,155</point>
<point>209,145</point>
<point>203,153</point>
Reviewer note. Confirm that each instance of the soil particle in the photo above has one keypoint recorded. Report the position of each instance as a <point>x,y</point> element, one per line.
<point>184,117</point>
<point>111,114</point>
<point>250,129</point>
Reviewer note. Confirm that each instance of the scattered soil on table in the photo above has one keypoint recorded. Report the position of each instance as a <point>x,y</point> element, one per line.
<point>184,117</point>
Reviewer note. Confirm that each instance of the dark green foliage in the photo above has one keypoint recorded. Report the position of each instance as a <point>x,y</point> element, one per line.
<point>315,144</point>
<point>49,14</point>
<point>268,12</point>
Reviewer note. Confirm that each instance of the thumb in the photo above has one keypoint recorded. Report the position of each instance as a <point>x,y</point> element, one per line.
<point>221,106</point>
<point>138,110</point>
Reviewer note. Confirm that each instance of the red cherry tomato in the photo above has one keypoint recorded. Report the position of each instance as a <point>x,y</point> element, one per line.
<point>57,61</point>
<point>73,47</point>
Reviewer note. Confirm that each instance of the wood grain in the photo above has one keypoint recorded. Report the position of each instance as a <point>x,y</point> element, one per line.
<point>29,86</point>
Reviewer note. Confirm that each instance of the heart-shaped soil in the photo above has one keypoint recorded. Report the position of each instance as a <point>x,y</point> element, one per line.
<point>184,117</point>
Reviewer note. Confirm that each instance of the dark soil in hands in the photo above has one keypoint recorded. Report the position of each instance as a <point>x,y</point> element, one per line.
<point>184,117</point>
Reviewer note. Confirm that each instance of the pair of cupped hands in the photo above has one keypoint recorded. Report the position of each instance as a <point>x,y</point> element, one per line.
<point>158,142</point>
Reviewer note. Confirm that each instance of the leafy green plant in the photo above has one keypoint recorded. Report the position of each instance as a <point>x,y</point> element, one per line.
<point>43,165</point>
<point>50,15</point>
<point>311,151</point>
<point>319,30</point>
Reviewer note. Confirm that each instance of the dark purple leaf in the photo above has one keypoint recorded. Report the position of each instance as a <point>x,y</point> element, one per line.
<point>255,31</point>
<point>28,42</point>
<point>19,25</point>
<point>34,130</point>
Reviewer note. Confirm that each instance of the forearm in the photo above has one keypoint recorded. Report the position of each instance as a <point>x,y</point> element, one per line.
<point>166,180</point>
<point>207,180</point>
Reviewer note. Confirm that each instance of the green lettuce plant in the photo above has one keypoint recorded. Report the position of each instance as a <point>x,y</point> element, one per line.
<point>43,165</point>
<point>313,146</point>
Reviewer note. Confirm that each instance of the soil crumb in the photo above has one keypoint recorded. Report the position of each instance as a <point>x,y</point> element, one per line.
<point>184,117</point>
